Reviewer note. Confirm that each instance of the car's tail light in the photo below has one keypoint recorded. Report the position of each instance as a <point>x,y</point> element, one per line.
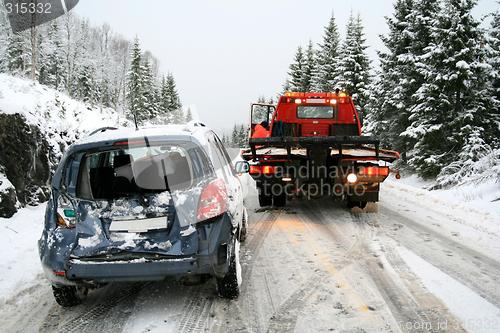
<point>66,214</point>
<point>213,201</point>
<point>374,171</point>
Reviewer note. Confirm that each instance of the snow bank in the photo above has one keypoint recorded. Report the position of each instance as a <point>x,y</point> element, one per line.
<point>5,184</point>
<point>484,170</point>
<point>20,264</point>
<point>466,213</point>
<point>60,118</point>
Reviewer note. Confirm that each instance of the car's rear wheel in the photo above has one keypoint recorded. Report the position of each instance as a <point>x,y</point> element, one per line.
<point>229,285</point>
<point>279,200</point>
<point>68,296</point>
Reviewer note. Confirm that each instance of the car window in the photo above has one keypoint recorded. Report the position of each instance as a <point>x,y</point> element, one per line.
<point>220,163</point>
<point>228,162</point>
<point>137,169</point>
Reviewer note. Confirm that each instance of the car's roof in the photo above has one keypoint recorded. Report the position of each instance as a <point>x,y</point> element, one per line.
<point>187,131</point>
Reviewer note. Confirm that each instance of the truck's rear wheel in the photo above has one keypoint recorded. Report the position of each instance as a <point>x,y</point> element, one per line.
<point>265,200</point>
<point>279,200</point>
<point>352,204</point>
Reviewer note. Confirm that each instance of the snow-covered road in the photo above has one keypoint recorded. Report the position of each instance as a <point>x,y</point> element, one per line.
<point>409,264</point>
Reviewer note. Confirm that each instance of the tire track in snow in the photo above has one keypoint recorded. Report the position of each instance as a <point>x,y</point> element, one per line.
<point>92,319</point>
<point>255,243</point>
<point>404,307</point>
<point>414,308</point>
<point>285,317</point>
<point>476,271</point>
<point>196,312</point>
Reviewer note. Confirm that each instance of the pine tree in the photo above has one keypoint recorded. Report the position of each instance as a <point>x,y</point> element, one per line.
<point>150,107</point>
<point>175,106</point>
<point>389,108</point>
<point>494,42</point>
<point>310,69</point>
<point>189,115</point>
<point>286,87</point>
<point>234,137</point>
<point>52,58</point>
<point>134,83</point>
<point>453,119</point>
<point>164,102</point>
<point>17,54</point>
<point>296,72</point>
<point>4,34</point>
<point>242,136</point>
<point>325,78</point>
<point>354,68</point>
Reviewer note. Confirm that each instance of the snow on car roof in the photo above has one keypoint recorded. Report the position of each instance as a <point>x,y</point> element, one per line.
<point>195,130</point>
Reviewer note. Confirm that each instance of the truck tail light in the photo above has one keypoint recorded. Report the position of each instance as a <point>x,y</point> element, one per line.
<point>213,201</point>
<point>374,171</point>
<point>255,169</point>
<point>262,169</point>
<point>268,169</point>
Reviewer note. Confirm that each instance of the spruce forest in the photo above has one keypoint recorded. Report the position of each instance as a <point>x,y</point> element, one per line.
<point>434,96</point>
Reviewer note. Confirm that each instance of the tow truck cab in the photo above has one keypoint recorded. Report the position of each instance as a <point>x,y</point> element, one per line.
<point>309,114</point>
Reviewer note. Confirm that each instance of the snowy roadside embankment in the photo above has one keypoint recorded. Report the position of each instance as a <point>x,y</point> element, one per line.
<point>37,124</point>
<point>468,213</point>
<point>60,118</point>
<point>20,263</point>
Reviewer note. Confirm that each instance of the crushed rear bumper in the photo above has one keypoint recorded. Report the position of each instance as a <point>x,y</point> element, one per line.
<point>139,269</point>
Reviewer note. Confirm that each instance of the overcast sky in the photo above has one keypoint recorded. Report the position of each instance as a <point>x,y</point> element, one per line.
<point>226,53</point>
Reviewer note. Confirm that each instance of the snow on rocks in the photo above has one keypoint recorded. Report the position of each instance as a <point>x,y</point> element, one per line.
<point>8,198</point>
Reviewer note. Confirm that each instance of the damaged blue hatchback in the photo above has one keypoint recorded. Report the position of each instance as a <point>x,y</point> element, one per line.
<point>141,205</point>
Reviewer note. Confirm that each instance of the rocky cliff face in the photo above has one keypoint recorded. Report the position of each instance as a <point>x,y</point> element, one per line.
<point>26,159</point>
<point>8,197</point>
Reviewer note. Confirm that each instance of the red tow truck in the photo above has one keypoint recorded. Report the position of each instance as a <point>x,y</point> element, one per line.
<point>311,145</point>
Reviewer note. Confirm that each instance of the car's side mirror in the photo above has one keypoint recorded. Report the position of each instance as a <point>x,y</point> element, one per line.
<point>242,167</point>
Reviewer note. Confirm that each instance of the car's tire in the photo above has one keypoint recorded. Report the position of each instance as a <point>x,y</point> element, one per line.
<point>68,296</point>
<point>265,200</point>
<point>279,200</point>
<point>228,286</point>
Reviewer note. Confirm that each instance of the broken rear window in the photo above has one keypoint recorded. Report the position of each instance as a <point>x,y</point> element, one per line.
<point>137,169</point>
